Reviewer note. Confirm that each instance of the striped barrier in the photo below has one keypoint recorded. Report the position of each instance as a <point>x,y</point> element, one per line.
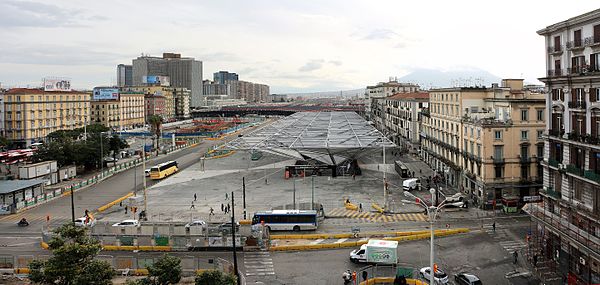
<point>377,208</point>
<point>351,207</point>
<point>366,234</point>
<point>358,243</point>
<point>107,206</point>
<point>390,280</point>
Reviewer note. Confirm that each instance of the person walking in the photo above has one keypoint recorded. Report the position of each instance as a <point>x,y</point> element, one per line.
<point>212,212</point>
<point>535,259</point>
<point>516,256</point>
<point>195,198</point>
<point>192,207</point>
<point>226,197</point>
<point>228,208</point>
<point>360,207</point>
<point>494,226</point>
<point>222,207</point>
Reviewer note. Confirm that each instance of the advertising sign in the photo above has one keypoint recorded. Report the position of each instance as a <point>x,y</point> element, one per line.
<point>382,251</point>
<point>156,79</point>
<point>532,198</point>
<point>57,84</point>
<point>106,94</point>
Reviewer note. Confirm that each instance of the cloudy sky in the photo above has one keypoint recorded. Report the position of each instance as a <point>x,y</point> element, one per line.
<point>294,46</point>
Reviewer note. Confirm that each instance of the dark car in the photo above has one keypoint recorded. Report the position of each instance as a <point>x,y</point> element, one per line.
<point>466,279</point>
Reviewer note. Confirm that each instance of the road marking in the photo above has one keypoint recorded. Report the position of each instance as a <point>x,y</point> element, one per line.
<point>317,241</point>
<point>341,240</point>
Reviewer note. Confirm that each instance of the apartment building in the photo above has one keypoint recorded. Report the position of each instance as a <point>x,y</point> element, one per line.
<point>182,103</point>
<point>568,221</point>
<point>31,114</point>
<point>383,90</point>
<point>248,91</point>
<point>124,113</point>
<point>486,141</point>
<point>165,105</point>
<point>402,116</point>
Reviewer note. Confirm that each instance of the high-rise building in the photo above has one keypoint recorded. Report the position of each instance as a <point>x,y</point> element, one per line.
<point>214,88</point>
<point>567,228</point>
<point>223,77</point>
<point>183,72</point>
<point>486,141</point>
<point>182,103</point>
<point>164,105</point>
<point>31,114</point>
<point>248,91</point>
<point>124,75</point>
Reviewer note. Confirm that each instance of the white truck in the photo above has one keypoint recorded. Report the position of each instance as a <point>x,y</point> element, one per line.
<point>376,251</point>
<point>410,184</point>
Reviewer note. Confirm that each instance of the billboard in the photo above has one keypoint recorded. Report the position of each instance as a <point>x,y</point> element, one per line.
<point>105,94</point>
<point>156,79</point>
<point>57,84</point>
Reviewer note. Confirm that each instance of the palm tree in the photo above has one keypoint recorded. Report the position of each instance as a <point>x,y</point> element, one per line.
<point>155,122</point>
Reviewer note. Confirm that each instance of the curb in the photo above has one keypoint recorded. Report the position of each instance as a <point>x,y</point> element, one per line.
<point>389,280</point>
<point>117,201</point>
<point>366,234</point>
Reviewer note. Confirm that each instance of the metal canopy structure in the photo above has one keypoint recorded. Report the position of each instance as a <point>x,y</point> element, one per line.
<point>330,137</point>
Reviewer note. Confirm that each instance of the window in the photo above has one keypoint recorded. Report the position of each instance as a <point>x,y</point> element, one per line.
<point>479,150</point>
<point>540,115</point>
<point>524,151</point>
<point>478,133</point>
<point>471,131</point>
<point>594,62</point>
<point>524,115</point>
<point>577,38</point>
<point>540,151</point>
<point>497,135</point>
<point>557,43</point>
<point>524,135</point>
<point>540,134</point>
<point>498,172</point>
<point>498,151</point>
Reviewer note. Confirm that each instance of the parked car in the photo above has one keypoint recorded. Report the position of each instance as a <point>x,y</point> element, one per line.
<point>81,222</point>
<point>466,279</point>
<point>198,223</point>
<point>227,227</point>
<point>440,276</point>
<point>127,223</point>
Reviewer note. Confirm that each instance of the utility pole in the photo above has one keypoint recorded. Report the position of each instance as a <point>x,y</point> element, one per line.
<point>294,180</point>
<point>72,206</point>
<point>243,194</point>
<point>385,196</point>
<point>102,154</point>
<point>144,167</point>
<point>235,265</point>
<point>312,195</point>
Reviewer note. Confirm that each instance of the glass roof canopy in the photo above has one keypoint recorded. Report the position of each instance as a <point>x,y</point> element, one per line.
<point>315,134</point>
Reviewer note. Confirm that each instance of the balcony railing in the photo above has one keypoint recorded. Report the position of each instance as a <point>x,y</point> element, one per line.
<point>556,133</point>
<point>592,175</point>
<point>524,159</point>
<point>591,41</point>
<point>498,160</point>
<point>555,49</point>
<point>575,44</point>
<point>573,169</point>
<point>552,193</point>
<point>555,72</point>
<point>553,162</point>
<point>577,104</point>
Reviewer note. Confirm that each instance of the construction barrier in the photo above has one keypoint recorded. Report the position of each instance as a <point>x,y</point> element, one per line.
<point>390,280</point>
<point>351,207</point>
<point>245,222</point>
<point>107,206</point>
<point>377,208</point>
<point>24,270</point>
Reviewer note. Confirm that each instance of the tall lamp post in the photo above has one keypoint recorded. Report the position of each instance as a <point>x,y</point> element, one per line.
<point>432,212</point>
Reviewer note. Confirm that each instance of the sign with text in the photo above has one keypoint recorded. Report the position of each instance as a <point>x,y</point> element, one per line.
<point>106,94</point>
<point>532,198</point>
<point>156,79</point>
<point>57,84</point>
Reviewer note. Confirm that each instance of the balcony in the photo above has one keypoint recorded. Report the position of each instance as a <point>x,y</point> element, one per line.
<point>556,133</point>
<point>577,104</point>
<point>549,191</point>
<point>575,45</point>
<point>573,169</point>
<point>555,50</point>
<point>591,41</point>
<point>554,72</point>
<point>591,175</point>
<point>577,70</point>
<point>553,162</point>
<point>524,159</point>
<point>498,160</point>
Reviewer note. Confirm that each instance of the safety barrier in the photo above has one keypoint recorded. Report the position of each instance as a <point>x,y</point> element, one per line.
<point>351,207</point>
<point>438,233</point>
<point>245,222</point>
<point>390,280</point>
<point>365,234</point>
<point>107,206</point>
<point>377,208</point>
<point>136,247</point>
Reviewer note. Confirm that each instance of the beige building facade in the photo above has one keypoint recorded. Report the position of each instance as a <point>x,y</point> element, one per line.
<point>31,114</point>
<point>125,113</point>
<point>168,112</point>
<point>486,141</point>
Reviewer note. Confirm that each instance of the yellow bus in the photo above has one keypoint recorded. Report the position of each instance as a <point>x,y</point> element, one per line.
<point>163,170</point>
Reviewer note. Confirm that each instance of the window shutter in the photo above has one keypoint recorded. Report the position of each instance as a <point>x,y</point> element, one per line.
<point>593,62</point>
<point>592,94</point>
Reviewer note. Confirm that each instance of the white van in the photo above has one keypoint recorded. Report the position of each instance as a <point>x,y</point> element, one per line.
<point>410,184</point>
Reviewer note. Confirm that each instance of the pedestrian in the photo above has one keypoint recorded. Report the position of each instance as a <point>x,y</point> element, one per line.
<point>212,212</point>
<point>353,176</point>
<point>193,207</point>
<point>494,226</point>
<point>228,207</point>
<point>120,203</point>
<point>125,210</point>
<point>535,259</point>
<point>413,173</point>
<point>360,207</point>
<point>226,196</point>
<point>222,207</point>
<point>516,256</point>
<point>420,172</point>
<point>195,197</point>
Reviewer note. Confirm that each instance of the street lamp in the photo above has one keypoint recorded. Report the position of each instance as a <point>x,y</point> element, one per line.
<point>432,212</point>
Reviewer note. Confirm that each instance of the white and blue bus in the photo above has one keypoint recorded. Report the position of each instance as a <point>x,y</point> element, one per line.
<point>287,220</point>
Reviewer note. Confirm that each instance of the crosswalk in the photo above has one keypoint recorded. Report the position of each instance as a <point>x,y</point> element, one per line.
<point>375,217</point>
<point>258,263</point>
<point>500,234</point>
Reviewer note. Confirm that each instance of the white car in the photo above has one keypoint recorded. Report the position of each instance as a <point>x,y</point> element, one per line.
<point>80,222</point>
<point>198,223</point>
<point>147,172</point>
<point>440,276</point>
<point>127,223</point>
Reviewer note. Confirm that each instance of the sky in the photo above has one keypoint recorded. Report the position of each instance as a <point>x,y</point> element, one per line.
<point>293,46</point>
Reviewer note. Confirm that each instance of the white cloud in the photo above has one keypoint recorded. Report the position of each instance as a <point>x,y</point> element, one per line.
<point>288,44</point>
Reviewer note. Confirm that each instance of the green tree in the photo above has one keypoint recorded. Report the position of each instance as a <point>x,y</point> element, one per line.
<point>116,144</point>
<point>72,260</point>
<point>166,270</point>
<point>4,142</point>
<point>61,151</point>
<point>155,122</point>
<point>215,277</point>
